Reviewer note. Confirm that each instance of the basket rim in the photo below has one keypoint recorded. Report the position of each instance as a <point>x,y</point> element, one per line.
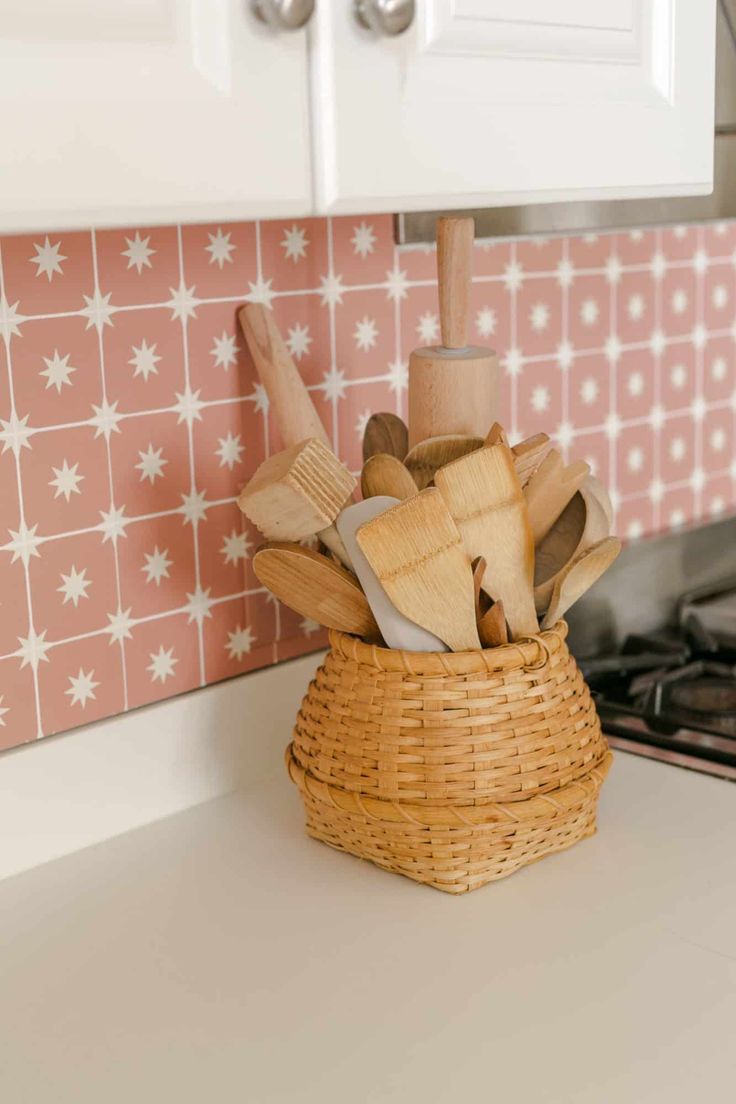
<point>530,653</point>
<point>535,808</point>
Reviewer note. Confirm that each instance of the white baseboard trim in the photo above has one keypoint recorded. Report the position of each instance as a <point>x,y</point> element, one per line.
<point>71,791</point>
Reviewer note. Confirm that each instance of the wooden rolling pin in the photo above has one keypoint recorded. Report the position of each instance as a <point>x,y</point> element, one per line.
<point>452,387</point>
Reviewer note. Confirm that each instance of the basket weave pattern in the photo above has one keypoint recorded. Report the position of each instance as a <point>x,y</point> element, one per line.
<point>453,769</point>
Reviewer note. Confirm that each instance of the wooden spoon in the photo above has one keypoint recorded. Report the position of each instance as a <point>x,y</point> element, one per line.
<point>479,569</point>
<point>581,524</point>
<point>316,587</point>
<point>483,495</point>
<point>385,433</point>
<point>492,628</point>
<point>578,577</point>
<point>417,553</point>
<point>385,475</point>
<point>426,458</point>
<point>549,490</point>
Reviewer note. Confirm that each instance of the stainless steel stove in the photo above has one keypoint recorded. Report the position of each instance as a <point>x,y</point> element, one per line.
<point>668,691</point>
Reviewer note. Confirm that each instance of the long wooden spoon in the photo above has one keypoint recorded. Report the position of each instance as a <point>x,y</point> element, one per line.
<point>579,576</point>
<point>383,474</point>
<point>385,433</point>
<point>316,587</point>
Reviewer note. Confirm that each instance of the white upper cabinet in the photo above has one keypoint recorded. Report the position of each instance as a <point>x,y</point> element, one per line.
<point>149,111</point>
<point>495,102</point>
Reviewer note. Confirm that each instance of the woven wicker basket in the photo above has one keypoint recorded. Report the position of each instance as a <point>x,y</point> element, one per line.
<point>453,769</point>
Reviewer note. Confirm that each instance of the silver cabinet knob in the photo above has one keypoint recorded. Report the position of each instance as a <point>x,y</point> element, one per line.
<point>384,17</point>
<point>283,15</point>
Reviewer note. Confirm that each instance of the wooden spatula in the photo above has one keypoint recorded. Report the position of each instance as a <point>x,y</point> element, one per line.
<point>385,433</point>
<point>529,454</point>
<point>549,490</point>
<point>385,475</point>
<point>492,627</point>
<point>483,495</point>
<point>315,587</point>
<point>398,631</point>
<point>453,386</point>
<point>290,401</point>
<point>579,576</point>
<point>419,558</point>
<point>297,492</point>
<point>424,459</point>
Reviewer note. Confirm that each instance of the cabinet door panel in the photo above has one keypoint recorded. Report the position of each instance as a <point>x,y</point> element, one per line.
<point>148,111</point>
<point>491,102</point>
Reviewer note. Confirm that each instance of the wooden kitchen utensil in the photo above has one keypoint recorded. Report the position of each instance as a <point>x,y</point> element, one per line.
<point>578,577</point>
<point>529,454</point>
<point>398,631</point>
<point>385,433</point>
<point>492,627</point>
<point>597,489</point>
<point>483,495</point>
<point>315,587</point>
<point>288,397</point>
<point>453,386</point>
<point>417,553</point>
<point>496,435</point>
<point>479,569</point>
<point>581,524</point>
<point>424,459</point>
<point>297,492</point>
<point>549,490</point>
<point>385,475</point>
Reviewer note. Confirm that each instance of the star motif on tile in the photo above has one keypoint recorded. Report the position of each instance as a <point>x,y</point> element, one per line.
<point>656,491</point>
<point>564,435</point>
<point>719,296</point>
<point>331,290</point>
<point>716,507</point>
<point>589,391</point>
<point>698,408</point>
<point>614,269</point>
<point>363,240</point>
<point>700,262</point>
<point>33,649</point>
<point>658,265</point>
<point>157,565</point>
<point>697,479</point>
<point>74,585</point>
<point>589,312</point>
<point>540,399</point>
<point>58,371</point>
<point>565,273</point>
<point>678,376</point>
<point>679,301</point>
<point>295,243</point>
<point>635,459</point>
<point>539,317</point>
<point>334,384</point>
<point>15,433</point>
<point>144,360</point>
<point>139,252</point>
<point>513,362</point>
<point>162,664</point>
<point>612,349</point>
<point>183,302</point>
<point>66,481</point>
<point>225,350</point>
<point>718,370</point>
<point>635,307</point>
<point>235,547</point>
<point>3,710</point>
<point>657,343</point>
<point>261,292</point>
<point>113,524</point>
<point>98,310</point>
<point>193,507</point>
<point>635,384</point>
<point>82,687</point>
<point>23,543</point>
<point>656,417</point>
<point>298,340</point>
<point>513,276</point>
<point>309,626</point>
<point>717,439</point>
<point>220,249</point>
<point>198,605</point>
<point>105,419</point>
<point>48,259</point>
<point>428,328</point>
<point>229,451</point>
<point>151,464</point>
<point>361,423</point>
<point>188,406</point>
<point>397,284</point>
<point>397,376</point>
<point>119,626</point>
<point>259,398</point>
<point>565,356</point>
<point>634,530</point>
<point>10,319</point>
<point>485,321</point>
<point>365,333</point>
<point>612,425</point>
<point>699,337</point>
<point>239,642</point>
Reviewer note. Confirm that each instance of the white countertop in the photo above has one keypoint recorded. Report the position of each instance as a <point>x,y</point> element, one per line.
<point>220,955</point>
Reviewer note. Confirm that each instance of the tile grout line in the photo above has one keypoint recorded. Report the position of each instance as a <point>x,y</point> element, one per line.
<point>658,436</point>
<point>267,441</point>
<point>513,331</point>
<point>698,472</point>
<point>565,333</point>
<point>34,657</point>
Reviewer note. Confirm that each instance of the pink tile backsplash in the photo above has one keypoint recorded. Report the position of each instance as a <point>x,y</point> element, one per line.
<point>130,415</point>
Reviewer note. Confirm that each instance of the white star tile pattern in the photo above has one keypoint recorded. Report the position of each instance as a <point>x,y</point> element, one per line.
<point>131,415</point>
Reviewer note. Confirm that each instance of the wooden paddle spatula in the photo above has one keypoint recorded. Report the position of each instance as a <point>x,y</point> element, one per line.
<point>483,495</point>
<point>579,576</point>
<point>316,587</point>
<point>417,553</point>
